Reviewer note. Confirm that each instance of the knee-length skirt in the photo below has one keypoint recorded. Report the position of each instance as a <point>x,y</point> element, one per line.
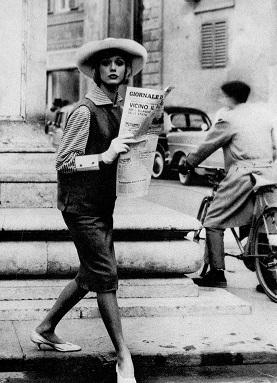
<point>93,240</point>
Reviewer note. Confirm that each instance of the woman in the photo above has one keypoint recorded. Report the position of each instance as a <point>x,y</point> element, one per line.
<point>86,165</point>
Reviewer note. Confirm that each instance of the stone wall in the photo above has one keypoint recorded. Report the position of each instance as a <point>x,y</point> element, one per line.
<point>65,31</point>
<point>153,42</point>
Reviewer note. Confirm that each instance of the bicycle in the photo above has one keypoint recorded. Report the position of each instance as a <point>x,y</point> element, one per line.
<point>260,251</point>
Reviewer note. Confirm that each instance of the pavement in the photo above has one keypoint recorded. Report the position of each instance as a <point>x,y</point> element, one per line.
<point>163,344</point>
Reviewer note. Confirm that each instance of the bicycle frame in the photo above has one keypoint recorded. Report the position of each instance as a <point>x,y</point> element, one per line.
<point>260,204</point>
<point>257,255</point>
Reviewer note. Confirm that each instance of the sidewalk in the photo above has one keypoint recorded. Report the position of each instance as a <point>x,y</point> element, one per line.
<point>157,342</point>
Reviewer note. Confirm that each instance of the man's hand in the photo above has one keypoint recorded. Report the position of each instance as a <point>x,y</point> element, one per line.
<point>117,146</point>
<point>185,167</point>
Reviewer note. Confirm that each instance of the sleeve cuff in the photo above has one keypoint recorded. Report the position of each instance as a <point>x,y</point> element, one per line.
<point>87,163</point>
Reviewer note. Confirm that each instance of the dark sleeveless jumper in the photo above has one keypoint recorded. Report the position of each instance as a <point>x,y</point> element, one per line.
<point>93,192</point>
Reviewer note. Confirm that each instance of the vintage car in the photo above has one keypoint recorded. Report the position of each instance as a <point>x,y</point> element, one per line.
<point>160,160</point>
<point>187,128</point>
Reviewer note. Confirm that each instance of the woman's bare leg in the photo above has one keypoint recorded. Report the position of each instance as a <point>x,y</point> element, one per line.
<point>68,298</point>
<point>108,307</point>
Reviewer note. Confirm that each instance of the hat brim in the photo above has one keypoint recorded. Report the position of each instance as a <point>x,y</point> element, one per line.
<point>88,54</point>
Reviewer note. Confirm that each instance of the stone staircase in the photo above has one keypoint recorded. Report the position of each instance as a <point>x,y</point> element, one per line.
<point>37,255</point>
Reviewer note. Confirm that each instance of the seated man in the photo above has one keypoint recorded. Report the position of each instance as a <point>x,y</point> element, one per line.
<point>247,134</point>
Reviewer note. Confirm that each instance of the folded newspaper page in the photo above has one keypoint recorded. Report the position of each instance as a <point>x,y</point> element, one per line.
<point>143,118</point>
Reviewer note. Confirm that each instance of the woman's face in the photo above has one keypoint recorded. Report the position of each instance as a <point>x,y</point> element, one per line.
<point>112,70</point>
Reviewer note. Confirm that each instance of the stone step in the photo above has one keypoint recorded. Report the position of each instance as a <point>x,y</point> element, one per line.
<point>136,258</point>
<point>28,194</point>
<point>28,179</point>
<point>209,302</point>
<point>37,289</point>
<point>136,219</point>
<point>22,137</point>
<point>25,167</point>
<point>149,239</point>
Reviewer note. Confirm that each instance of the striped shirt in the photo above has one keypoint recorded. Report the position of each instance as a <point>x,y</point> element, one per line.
<point>75,136</point>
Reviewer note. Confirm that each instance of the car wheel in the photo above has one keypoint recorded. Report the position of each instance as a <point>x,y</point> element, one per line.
<point>158,167</point>
<point>185,179</point>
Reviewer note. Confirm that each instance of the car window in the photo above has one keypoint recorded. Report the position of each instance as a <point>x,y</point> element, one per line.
<point>196,121</point>
<point>178,120</point>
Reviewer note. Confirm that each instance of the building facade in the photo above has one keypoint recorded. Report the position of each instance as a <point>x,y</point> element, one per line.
<point>206,42</point>
<point>193,45</point>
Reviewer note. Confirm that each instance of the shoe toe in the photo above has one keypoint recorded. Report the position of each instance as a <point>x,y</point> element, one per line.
<point>67,347</point>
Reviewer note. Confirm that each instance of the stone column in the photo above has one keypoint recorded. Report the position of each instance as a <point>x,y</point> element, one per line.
<point>111,18</point>
<point>23,36</point>
<point>23,59</point>
<point>95,28</point>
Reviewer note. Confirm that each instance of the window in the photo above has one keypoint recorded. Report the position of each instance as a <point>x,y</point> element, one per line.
<point>50,6</point>
<point>63,84</point>
<point>196,121</point>
<point>73,4</point>
<point>214,44</point>
<point>178,120</point>
<point>62,6</point>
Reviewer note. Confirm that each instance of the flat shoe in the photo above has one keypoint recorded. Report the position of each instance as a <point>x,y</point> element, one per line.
<point>204,283</point>
<point>120,378</point>
<point>62,347</point>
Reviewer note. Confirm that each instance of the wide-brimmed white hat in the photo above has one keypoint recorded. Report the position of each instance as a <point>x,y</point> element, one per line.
<point>89,52</point>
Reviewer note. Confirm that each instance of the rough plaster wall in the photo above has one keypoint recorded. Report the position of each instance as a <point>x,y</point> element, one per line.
<point>249,25</point>
<point>193,86</point>
<point>251,44</point>
<point>273,67</point>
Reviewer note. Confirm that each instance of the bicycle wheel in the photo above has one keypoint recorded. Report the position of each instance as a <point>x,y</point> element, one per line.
<point>201,215</point>
<point>264,244</point>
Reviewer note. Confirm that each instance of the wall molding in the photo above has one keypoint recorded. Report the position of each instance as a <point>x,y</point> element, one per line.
<point>213,5</point>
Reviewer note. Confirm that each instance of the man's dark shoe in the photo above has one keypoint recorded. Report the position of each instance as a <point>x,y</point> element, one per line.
<point>259,288</point>
<point>214,278</point>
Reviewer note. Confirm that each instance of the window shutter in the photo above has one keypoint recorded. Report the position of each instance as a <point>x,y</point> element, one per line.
<point>207,45</point>
<point>220,44</point>
<point>214,44</point>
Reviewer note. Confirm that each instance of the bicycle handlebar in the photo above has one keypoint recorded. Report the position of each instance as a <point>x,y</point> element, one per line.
<point>216,175</point>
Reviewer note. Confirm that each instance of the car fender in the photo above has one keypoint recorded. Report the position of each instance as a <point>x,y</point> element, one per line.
<point>176,157</point>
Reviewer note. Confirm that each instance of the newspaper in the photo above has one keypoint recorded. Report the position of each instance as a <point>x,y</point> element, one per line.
<point>143,118</point>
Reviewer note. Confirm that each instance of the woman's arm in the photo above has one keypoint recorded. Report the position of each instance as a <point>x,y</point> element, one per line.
<point>71,153</point>
<point>74,141</point>
<point>218,136</point>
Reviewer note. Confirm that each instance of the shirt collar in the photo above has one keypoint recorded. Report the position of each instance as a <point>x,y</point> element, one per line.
<point>98,97</point>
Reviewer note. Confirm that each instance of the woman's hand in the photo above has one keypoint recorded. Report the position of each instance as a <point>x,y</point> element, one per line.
<point>117,146</point>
